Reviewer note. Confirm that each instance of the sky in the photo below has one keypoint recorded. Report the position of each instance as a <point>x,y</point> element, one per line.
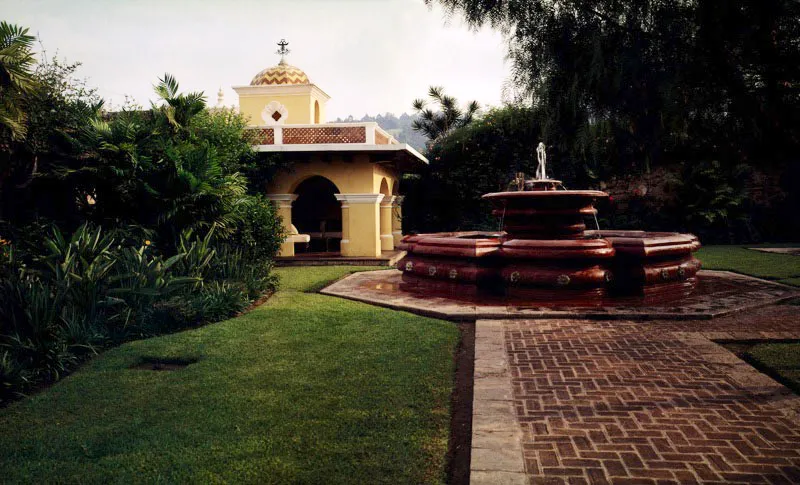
<point>370,56</point>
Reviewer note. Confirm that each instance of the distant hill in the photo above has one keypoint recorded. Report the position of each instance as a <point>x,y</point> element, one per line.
<point>400,128</point>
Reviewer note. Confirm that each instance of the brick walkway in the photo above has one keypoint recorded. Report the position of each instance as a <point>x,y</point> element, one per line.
<point>623,402</point>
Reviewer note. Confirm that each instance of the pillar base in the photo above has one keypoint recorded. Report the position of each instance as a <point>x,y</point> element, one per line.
<point>387,242</point>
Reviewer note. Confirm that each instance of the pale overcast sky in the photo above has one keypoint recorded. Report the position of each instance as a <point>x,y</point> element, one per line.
<point>370,56</point>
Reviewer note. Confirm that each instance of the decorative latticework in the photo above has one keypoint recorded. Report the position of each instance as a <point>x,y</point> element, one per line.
<point>324,134</point>
<point>264,136</point>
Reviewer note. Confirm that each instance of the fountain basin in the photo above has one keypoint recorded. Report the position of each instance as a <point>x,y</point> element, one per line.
<point>604,260</point>
<point>544,251</point>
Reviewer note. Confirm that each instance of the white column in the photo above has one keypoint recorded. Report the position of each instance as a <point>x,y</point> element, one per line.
<point>360,224</point>
<point>387,240</point>
<point>283,204</point>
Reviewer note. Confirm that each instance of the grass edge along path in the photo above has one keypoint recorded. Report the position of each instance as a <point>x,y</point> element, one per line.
<point>782,268</point>
<point>304,389</point>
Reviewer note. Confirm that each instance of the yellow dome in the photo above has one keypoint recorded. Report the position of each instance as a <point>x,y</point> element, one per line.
<point>281,74</point>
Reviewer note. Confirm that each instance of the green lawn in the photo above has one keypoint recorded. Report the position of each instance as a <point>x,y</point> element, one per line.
<point>304,389</point>
<point>781,267</point>
<point>782,359</point>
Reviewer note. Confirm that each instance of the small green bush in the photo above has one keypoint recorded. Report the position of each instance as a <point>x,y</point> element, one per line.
<point>220,299</point>
<point>260,230</point>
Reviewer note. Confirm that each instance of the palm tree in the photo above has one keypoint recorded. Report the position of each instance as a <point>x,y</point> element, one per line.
<point>16,78</point>
<point>449,117</point>
<point>178,108</point>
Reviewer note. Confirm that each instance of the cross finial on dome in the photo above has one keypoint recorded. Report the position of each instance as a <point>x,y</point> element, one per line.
<point>283,51</point>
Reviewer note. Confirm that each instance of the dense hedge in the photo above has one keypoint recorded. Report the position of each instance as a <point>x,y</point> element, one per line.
<point>720,200</point>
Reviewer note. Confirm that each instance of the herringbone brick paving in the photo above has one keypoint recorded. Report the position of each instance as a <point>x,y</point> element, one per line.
<point>622,402</point>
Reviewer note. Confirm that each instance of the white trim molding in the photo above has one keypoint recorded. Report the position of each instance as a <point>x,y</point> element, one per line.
<point>359,198</point>
<point>283,201</point>
<point>342,147</point>
<point>388,201</point>
<point>281,90</point>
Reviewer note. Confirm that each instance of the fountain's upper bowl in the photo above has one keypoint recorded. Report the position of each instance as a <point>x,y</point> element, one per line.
<point>578,199</point>
<point>546,194</point>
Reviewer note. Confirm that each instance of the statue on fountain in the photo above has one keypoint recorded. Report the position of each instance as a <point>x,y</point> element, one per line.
<point>540,182</point>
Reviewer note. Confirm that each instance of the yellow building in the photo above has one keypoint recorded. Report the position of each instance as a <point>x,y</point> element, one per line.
<point>340,194</point>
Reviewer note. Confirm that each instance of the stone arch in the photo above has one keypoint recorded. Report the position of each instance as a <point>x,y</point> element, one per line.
<point>318,213</point>
<point>316,112</point>
<point>385,187</point>
<point>295,184</point>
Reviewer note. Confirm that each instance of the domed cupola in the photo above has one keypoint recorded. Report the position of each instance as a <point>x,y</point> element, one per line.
<point>283,73</point>
<point>282,95</point>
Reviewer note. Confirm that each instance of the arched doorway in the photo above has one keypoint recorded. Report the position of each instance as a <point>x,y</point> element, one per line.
<point>316,112</point>
<point>316,212</point>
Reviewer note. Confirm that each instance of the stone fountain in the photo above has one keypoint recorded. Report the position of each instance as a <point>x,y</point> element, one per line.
<point>545,251</point>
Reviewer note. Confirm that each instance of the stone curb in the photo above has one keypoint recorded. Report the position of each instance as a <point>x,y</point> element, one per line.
<point>496,433</point>
<point>353,288</point>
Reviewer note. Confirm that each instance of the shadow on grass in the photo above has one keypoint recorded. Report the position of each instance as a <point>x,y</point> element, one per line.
<point>761,355</point>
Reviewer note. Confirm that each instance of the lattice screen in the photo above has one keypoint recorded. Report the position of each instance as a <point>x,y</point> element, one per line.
<point>264,136</point>
<point>326,134</point>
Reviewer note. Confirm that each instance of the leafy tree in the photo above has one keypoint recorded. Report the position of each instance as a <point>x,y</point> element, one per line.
<point>466,163</point>
<point>16,82</point>
<point>58,109</point>
<point>668,80</point>
<point>435,124</point>
<point>625,87</point>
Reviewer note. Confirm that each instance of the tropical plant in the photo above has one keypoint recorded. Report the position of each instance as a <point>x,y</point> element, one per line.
<point>16,80</point>
<point>714,201</point>
<point>449,116</point>
<point>220,299</point>
<point>177,108</point>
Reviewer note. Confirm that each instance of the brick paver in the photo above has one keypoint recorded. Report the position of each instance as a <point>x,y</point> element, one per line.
<point>622,402</point>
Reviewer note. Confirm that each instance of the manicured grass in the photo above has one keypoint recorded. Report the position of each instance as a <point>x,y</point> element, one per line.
<point>781,267</point>
<point>782,359</point>
<point>304,389</point>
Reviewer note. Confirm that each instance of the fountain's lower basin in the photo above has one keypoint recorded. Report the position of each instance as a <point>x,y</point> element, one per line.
<point>717,293</point>
<point>593,266</point>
